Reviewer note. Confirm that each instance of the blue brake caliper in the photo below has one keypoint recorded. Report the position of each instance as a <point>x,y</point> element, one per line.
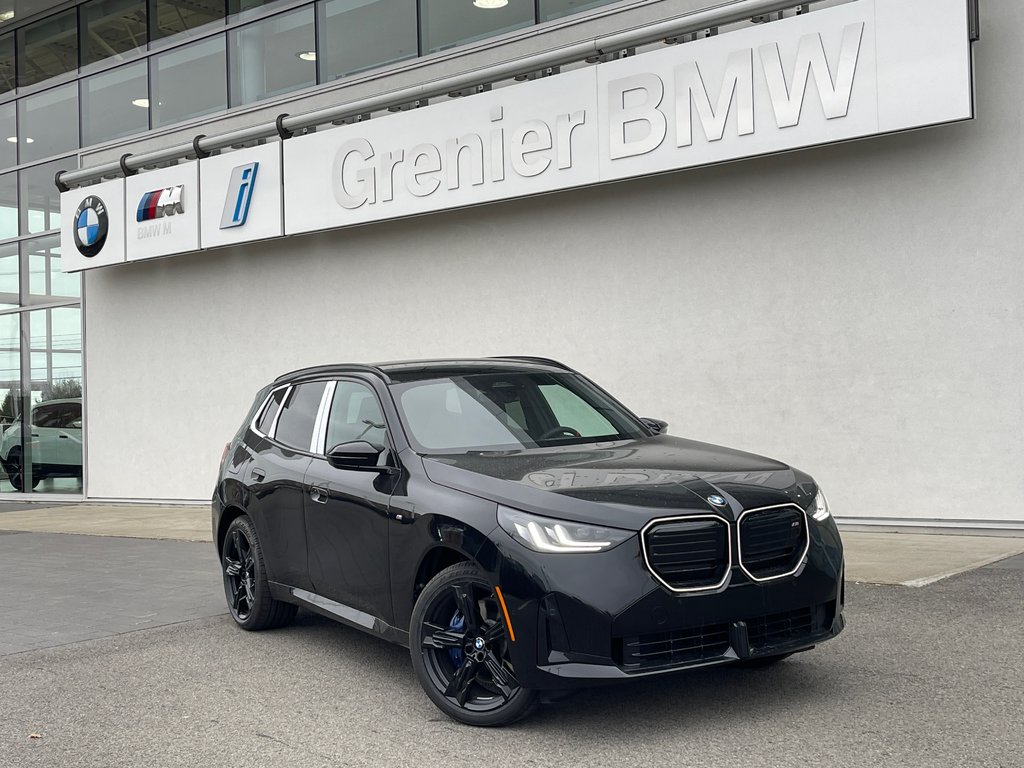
<point>457,624</point>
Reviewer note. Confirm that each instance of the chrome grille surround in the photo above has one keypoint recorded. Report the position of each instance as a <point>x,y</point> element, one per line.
<point>799,560</point>
<point>686,518</point>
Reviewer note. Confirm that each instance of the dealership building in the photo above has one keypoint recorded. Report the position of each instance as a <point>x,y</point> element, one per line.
<point>791,228</point>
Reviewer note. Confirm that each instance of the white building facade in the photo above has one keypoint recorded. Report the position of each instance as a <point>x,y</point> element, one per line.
<point>794,232</point>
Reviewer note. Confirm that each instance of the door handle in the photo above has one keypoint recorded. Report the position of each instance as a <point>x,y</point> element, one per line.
<point>64,437</point>
<point>257,474</point>
<point>318,494</point>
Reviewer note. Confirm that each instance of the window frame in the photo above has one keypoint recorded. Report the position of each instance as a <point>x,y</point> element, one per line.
<point>319,446</point>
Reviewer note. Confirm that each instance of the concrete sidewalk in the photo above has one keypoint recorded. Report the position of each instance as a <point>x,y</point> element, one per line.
<point>907,559</point>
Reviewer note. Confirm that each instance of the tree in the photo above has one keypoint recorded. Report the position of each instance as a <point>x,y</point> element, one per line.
<point>62,389</point>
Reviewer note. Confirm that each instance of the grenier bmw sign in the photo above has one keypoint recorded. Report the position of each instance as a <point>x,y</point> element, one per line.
<point>850,71</point>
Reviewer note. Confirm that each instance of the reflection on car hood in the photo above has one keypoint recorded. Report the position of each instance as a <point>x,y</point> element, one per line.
<point>624,483</point>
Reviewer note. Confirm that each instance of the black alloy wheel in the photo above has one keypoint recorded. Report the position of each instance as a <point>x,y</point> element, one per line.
<point>245,581</point>
<point>14,471</point>
<point>460,650</point>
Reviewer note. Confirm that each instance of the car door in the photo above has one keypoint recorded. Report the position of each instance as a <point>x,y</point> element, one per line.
<point>68,445</point>
<point>275,478</point>
<point>43,447</point>
<point>347,510</point>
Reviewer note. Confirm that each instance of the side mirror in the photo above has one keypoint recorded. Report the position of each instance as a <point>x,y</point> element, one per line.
<point>357,455</point>
<point>657,426</point>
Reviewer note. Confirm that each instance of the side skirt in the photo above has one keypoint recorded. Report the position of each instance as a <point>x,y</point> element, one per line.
<point>340,612</point>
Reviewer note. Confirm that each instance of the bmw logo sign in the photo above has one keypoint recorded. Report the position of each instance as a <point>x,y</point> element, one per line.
<point>91,226</point>
<point>718,501</point>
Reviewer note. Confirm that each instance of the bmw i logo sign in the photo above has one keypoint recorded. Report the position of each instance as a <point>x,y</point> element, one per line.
<point>718,501</point>
<point>91,226</point>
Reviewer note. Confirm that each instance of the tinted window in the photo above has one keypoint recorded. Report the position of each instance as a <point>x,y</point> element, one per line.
<point>263,425</point>
<point>48,48</point>
<point>115,103</point>
<point>295,424</point>
<point>360,34</point>
<point>189,82</point>
<point>355,415</point>
<point>46,416</point>
<point>272,56</point>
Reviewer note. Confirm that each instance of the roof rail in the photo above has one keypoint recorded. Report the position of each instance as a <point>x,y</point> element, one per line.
<point>335,368</point>
<point>529,359</point>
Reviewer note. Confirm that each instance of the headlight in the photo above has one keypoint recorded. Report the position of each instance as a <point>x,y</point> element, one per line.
<point>820,511</point>
<point>542,534</point>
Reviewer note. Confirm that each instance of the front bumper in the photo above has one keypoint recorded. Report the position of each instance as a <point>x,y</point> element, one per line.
<point>584,619</point>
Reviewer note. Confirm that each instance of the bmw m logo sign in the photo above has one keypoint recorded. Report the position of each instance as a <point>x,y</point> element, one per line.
<point>240,188</point>
<point>162,202</point>
<point>91,225</point>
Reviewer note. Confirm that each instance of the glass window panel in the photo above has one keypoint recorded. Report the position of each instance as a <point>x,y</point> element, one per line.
<point>48,48</point>
<point>174,17</point>
<point>556,9</point>
<point>360,34</point>
<point>447,23</point>
<point>112,28</point>
<point>10,399</point>
<point>8,135</point>
<point>295,424</point>
<point>189,82</point>
<point>115,103</point>
<point>9,276</point>
<point>45,280</point>
<point>8,205</point>
<point>7,81</point>
<point>40,200</point>
<point>48,123</point>
<point>56,399</point>
<point>271,57</point>
<point>240,9</point>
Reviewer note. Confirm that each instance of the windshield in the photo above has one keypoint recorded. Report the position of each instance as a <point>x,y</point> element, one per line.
<point>509,411</point>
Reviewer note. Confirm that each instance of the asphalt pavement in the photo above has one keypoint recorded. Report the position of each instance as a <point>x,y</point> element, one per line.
<point>927,676</point>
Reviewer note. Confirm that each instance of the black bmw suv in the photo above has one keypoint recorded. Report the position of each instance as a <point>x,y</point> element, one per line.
<point>517,528</point>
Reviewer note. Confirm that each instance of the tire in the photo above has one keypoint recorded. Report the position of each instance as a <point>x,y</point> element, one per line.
<point>471,682</point>
<point>13,468</point>
<point>763,662</point>
<point>245,580</point>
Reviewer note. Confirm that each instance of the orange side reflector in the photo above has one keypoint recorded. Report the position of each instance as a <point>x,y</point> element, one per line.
<point>504,610</point>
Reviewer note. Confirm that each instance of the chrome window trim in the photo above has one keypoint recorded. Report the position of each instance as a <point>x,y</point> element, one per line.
<point>316,442</point>
<point>800,560</point>
<point>728,551</point>
<point>327,415</point>
<point>263,407</point>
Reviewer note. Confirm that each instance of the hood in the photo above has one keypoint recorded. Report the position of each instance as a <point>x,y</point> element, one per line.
<point>623,484</point>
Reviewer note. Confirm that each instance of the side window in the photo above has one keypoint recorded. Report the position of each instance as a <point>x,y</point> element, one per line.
<point>355,415</point>
<point>263,425</point>
<point>573,411</point>
<point>298,414</point>
<point>46,416</point>
<point>73,416</point>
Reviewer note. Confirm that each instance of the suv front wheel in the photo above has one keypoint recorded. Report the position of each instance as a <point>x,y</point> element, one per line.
<point>459,645</point>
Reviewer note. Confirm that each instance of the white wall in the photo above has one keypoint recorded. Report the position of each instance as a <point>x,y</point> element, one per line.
<point>854,310</point>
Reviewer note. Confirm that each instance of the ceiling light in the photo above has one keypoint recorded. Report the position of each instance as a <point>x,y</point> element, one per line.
<point>144,103</point>
<point>14,139</point>
<point>490,3</point>
<point>307,55</point>
<point>6,15</point>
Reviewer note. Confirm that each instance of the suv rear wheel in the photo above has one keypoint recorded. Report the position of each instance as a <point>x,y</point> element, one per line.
<point>245,580</point>
<point>459,646</point>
